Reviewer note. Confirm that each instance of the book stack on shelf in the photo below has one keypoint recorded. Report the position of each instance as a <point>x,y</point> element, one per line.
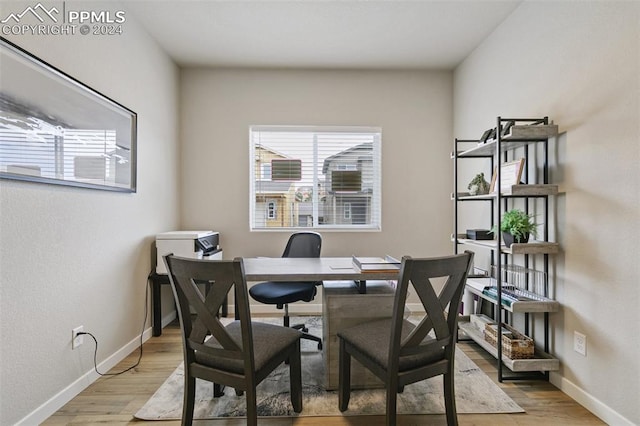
<point>511,294</point>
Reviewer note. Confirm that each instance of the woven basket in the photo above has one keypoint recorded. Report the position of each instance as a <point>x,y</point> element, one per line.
<point>515,345</point>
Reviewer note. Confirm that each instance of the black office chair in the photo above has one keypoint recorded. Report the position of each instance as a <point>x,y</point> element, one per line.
<point>301,244</point>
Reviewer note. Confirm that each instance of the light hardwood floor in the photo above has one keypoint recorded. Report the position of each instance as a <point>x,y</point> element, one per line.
<point>114,400</point>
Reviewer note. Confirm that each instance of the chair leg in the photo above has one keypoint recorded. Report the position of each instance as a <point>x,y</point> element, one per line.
<point>392,400</point>
<point>252,409</point>
<point>300,327</point>
<point>189,399</point>
<point>450,399</point>
<point>295,378</point>
<point>286,316</point>
<point>344,377</point>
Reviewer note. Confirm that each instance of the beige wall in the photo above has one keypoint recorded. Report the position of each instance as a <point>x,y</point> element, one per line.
<point>412,108</point>
<point>578,63</point>
<point>71,256</point>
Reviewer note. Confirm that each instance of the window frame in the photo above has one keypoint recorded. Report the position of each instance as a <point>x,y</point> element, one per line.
<point>347,211</point>
<point>374,204</point>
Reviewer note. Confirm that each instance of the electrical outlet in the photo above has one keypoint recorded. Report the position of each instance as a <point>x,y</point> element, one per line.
<point>580,343</point>
<point>77,340</point>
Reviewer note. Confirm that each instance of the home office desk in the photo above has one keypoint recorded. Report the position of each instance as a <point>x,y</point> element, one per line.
<point>156,301</point>
<point>282,269</point>
<point>347,300</point>
<point>310,269</point>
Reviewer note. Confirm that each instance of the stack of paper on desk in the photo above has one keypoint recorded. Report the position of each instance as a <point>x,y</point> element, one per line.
<point>376,264</point>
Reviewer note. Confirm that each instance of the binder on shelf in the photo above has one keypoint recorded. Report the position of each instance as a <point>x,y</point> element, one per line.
<point>376,264</point>
<point>511,294</point>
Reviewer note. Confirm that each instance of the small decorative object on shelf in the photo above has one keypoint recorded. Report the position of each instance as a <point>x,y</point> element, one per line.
<point>506,129</point>
<point>516,226</point>
<point>485,136</point>
<point>510,174</point>
<point>478,185</point>
<point>479,234</point>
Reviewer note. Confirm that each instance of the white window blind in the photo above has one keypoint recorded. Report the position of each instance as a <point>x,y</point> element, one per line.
<point>69,154</point>
<point>321,178</point>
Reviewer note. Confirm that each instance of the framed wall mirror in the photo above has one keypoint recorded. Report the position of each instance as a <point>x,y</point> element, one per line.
<point>55,129</point>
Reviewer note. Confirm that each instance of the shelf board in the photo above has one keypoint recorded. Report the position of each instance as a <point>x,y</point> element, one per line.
<point>464,196</point>
<point>533,247</point>
<point>519,136</point>
<point>530,190</point>
<point>536,132</point>
<point>523,190</point>
<point>476,285</point>
<point>542,361</point>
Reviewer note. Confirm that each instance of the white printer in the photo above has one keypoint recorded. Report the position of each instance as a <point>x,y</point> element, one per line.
<point>191,244</point>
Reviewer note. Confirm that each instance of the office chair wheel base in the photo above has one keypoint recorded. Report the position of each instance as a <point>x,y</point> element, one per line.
<point>300,327</point>
<point>319,346</point>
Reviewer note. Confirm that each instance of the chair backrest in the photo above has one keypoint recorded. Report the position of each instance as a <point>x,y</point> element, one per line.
<point>222,276</point>
<point>303,244</point>
<point>441,310</point>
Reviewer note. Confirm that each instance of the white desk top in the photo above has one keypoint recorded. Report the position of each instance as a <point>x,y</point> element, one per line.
<point>308,269</point>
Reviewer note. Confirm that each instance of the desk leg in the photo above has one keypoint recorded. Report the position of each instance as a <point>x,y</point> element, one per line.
<point>156,314</point>
<point>361,285</point>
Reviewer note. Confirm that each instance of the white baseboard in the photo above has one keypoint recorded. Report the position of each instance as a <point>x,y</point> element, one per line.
<point>168,319</point>
<point>47,409</point>
<point>588,401</point>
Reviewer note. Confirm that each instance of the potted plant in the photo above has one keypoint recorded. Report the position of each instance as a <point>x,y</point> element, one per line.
<point>478,185</point>
<point>516,226</point>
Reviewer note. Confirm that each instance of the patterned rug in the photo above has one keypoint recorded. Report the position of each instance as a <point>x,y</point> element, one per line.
<point>475,392</point>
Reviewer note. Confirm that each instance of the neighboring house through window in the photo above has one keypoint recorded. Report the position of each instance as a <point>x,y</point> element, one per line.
<point>315,177</point>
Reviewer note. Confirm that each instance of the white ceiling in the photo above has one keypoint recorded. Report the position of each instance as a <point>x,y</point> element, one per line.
<point>389,34</point>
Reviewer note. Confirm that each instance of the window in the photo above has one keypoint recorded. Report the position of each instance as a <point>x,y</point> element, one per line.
<point>271,210</point>
<point>68,154</point>
<point>315,177</point>
<point>266,171</point>
<point>347,211</point>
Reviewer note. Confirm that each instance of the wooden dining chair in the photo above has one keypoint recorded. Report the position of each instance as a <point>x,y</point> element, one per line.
<point>239,355</point>
<point>399,352</point>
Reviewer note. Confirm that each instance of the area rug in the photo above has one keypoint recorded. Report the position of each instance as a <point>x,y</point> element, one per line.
<point>475,393</point>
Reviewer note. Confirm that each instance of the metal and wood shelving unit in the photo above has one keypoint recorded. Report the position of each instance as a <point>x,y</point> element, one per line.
<point>527,138</point>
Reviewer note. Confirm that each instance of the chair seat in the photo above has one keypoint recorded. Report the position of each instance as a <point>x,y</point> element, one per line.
<point>281,293</point>
<point>268,339</point>
<point>372,338</point>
